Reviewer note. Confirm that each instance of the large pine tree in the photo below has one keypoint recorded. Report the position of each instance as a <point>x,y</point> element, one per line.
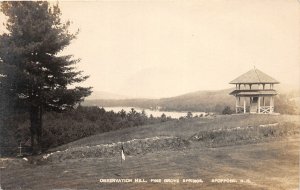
<point>33,74</point>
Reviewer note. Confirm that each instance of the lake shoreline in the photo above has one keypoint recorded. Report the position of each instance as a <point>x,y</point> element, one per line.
<point>155,112</point>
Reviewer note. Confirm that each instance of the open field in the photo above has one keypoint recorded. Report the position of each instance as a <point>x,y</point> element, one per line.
<point>263,149</point>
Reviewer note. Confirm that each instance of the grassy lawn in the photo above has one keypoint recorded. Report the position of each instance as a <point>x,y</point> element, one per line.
<point>269,163</point>
<point>183,128</point>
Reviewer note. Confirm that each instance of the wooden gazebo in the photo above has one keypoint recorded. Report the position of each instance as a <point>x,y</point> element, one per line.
<point>254,92</point>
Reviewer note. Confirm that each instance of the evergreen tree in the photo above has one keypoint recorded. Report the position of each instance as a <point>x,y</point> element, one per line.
<point>163,117</point>
<point>32,72</point>
<point>122,113</point>
<point>189,115</point>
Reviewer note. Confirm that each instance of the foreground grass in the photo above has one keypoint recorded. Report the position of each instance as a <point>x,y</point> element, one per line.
<point>269,163</point>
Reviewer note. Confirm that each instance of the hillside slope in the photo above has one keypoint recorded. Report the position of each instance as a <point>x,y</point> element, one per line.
<point>208,101</point>
<point>258,151</point>
<point>202,101</point>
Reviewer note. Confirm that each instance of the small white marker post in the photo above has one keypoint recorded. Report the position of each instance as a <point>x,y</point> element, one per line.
<point>122,158</point>
<point>20,147</point>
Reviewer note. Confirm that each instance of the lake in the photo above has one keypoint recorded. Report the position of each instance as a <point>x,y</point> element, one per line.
<point>155,113</point>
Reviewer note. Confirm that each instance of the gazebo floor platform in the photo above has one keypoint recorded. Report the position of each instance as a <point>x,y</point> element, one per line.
<point>274,113</point>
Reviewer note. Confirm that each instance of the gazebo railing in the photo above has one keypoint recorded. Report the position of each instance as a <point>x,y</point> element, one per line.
<point>239,109</point>
<point>263,109</point>
<point>266,109</point>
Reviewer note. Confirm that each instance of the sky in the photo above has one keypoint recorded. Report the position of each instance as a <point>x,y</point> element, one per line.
<point>160,49</point>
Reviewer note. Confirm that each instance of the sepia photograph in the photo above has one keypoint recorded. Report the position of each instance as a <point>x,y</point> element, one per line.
<point>150,94</point>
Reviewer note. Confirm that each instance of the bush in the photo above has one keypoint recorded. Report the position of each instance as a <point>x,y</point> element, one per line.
<point>227,111</point>
<point>189,115</point>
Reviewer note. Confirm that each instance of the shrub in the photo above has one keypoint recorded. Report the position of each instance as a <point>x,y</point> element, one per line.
<point>227,111</point>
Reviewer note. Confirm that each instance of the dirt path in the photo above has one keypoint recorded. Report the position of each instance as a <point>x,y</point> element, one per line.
<point>270,165</point>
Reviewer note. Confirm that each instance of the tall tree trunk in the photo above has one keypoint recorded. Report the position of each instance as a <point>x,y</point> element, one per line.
<point>39,131</point>
<point>35,128</point>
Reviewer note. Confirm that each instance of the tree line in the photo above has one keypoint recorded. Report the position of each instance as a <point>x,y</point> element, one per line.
<point>65,127</point>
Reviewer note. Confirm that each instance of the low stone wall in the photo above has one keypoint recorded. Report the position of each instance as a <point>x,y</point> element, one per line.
<point>244,135</point>
<point>132,147</point>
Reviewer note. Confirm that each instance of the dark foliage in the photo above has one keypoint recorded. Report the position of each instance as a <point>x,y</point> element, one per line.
<point>61,128</point>
<point>227,111</point>
<point>285,104</point>
<point>34,76</point>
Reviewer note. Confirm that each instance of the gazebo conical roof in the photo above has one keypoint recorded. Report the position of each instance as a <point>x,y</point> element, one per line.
<point>254,76</point>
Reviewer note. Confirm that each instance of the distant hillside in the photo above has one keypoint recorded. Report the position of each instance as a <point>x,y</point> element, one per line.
<point>105,95</point>
<point>209,101</point>
<point>142,103</point>
<point>287,101</point>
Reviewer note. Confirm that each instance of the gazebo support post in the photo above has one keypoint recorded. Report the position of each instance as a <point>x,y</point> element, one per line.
<point>258,105</point>
<point>271,104</point>
<point>244,105</point>
<point>236,104</point>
